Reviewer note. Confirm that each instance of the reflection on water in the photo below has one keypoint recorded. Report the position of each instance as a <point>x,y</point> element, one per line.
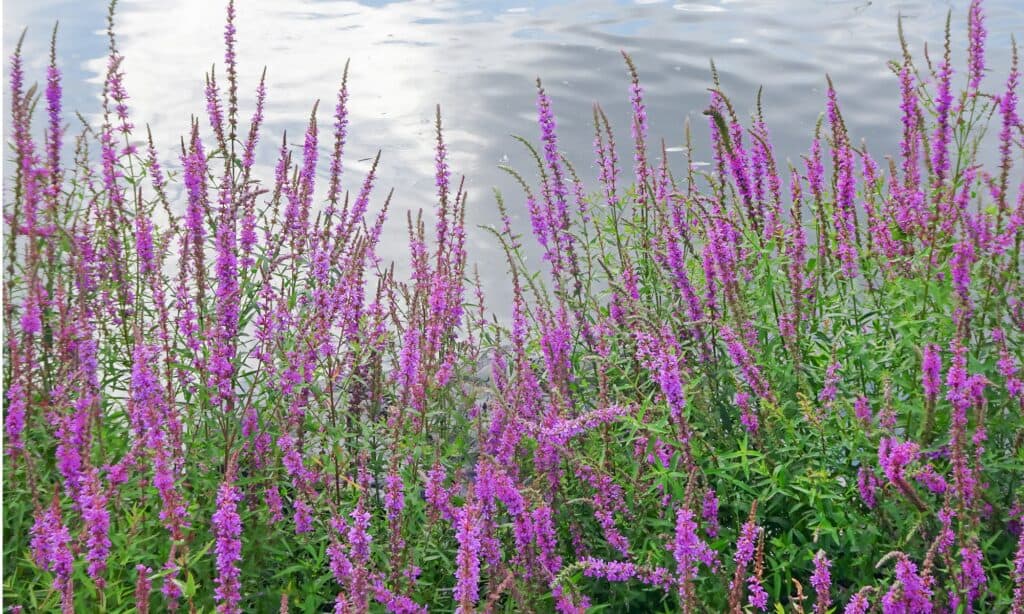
<point>479,60</point>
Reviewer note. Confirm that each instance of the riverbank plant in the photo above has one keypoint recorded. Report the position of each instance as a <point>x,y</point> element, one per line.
<point>750,386</point>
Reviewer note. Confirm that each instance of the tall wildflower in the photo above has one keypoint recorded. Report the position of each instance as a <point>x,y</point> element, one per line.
<point>1018,577</point>
<point>943,129</point>
<point>844,215</point>
<point>894,457</point>
<point>467,576</point>
<point>96,518</point>
<point>910,593</point>
<point>227,529</point>
<point>607,160</point>
<point>959,394</point>
<point>1010,121</point>
<point>970,578</point>
<point>749,369</point>
<point>51,551</point>
<point>909,194</point>
<point>976,34</point>
<point>931,372</point>
<point>54,128</point>
<point>143,587</point>
<point>689,551</point>
<point>642,168</point>
<point>748,549</point>
<point>858,604</point>
<point>828,392</point>
<point>554,219</point>
<point>821,580</point>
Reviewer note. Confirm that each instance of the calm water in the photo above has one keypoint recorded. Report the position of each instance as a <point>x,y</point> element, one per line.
<point>479,60</point>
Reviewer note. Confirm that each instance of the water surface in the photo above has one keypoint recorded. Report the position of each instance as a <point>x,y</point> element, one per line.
<point>478,60</point>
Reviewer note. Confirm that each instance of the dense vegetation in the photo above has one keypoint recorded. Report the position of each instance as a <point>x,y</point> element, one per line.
<point>726,389</point>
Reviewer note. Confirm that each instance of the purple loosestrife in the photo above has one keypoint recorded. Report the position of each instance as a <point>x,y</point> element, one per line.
<point>943,130</point>
<point>54,129</point>
<point>909,196</point>
<point>394,503</point>
<point>195,171</point>
<point>827,395</point>
<point>660,354</point>
<point>930,479</point>
<point>675,261</point>
<point>748,418</point>
<point>487,487</point>
<point>17,404</point>
<point>758,597</point>
<point>274,504</point>
<point>880,237</point>
<point>1018,577</point>
<point>970,578</point>
<point>72,435</point>
<point>1010,123</point>
<point>467,576</point>
<point>622,571</point>
<point>746,543</point>
<point>227,299</point>
<point>709,512</point>
<point>1009,367</point>
<point>796,254</point>
<point>555,193</point>
<point>844,213</point>
<point>359,540</point>
<point>394,498</point>
<point>931,372</point>
<point>96,518</point>
<point>766,171</point>
<point>340,136</point>
<point>143,588</point>
<point>689,551</point>
<point>821,580</point>
<point>947,535</point>
<point>607,160</point>
<point>960,270</point>
<point>858,604</point>
<point>894,457</point>
<point>51,550</point>
<point>867,485</point>
<point>739,166</point>
<point>910,593</point>
<point>546,539</point>
<point>608,499</point>
<point>214,112</point>
<point>976,45</point>
<point>302,480</point>
<point>862,410</point>
<point>231,64</point>
<point>155,424</point>
<point>437,495</point>
<point>747,546</point>
<point>442,180</point>
<point>642,168</point>
<point>337,553</point>
<point>249,153</point>
<point>815,176</point>
<point>565,429</point>
<point>749,369</point>
<point>227,529</point>
<point>959,394</point>
<point>398,604</point>
<point>307,180</point>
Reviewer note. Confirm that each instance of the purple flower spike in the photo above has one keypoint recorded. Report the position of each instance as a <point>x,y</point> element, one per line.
<point>227,527</point>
